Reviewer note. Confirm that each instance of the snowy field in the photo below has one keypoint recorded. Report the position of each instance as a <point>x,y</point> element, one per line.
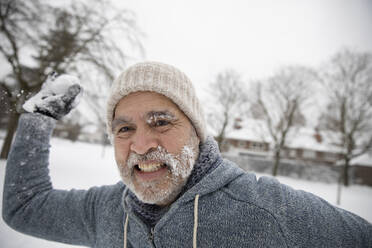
<point>81,165</point>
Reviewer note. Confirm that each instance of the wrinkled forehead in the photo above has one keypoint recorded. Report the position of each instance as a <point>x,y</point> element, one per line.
<point>147,103</point>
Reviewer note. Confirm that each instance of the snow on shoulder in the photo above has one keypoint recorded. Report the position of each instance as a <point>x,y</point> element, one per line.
<point>52,88</point>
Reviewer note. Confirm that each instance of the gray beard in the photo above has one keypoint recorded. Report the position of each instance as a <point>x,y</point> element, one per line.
<point>180,167</point>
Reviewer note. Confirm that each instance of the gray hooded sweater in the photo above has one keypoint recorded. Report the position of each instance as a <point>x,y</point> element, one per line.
<point>226,208</point>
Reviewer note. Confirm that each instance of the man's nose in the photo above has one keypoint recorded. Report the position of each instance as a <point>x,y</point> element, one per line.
<point>143,142</point>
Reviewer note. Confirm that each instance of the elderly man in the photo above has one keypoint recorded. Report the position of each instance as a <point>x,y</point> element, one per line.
<point>176,190</point>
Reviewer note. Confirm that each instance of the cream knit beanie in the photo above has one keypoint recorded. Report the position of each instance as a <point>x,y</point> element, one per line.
<point>163,79</point>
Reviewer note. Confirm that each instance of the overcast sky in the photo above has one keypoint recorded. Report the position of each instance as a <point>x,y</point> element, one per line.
<point>203,37</point>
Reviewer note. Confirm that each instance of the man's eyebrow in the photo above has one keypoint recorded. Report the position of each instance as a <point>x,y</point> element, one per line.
<point>119,121</point>
<point>160,114</point>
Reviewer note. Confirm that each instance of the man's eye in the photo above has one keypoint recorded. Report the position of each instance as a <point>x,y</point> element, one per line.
<point>125,129</point>
<point>161,123</point>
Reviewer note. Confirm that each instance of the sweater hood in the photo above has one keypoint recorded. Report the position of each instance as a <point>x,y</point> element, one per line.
<point>224,173</point>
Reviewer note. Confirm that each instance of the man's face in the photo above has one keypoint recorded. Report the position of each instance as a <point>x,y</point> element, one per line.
<point>155,146</point>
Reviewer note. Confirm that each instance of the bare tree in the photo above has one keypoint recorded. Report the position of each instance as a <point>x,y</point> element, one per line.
<point>95,100</point>
<point>347,81</point>
<point>37,38</point>
<point>279,102</point>
<point>228,95</point>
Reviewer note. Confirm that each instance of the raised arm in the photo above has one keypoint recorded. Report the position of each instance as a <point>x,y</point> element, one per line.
<point>30,204</point>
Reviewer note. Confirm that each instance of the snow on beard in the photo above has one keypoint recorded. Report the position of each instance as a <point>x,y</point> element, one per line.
<point>180,167</point>
<point>173,162</point>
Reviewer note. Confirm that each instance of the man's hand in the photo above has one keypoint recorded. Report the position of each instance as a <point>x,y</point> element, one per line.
<point>57,96</point>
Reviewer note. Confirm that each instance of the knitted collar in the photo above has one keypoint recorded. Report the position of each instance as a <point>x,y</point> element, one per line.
<point>205,164</point>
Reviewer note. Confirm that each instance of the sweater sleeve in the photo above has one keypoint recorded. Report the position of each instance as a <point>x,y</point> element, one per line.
<point>30,204</point>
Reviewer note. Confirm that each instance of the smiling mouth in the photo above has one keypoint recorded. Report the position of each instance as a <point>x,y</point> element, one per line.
<point>149,167</point>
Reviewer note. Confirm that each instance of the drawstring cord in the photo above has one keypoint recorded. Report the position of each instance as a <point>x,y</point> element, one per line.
<point>126,231</point>
<point>196,203</point>
<point>194,244</point>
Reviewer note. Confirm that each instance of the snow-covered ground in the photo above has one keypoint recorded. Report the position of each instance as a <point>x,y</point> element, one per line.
<point>81,165</point>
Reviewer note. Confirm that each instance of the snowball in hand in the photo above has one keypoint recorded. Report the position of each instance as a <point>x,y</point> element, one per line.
<point>56,98</point>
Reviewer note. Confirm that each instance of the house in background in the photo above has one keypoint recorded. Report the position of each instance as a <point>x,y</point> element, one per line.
<point>248,138</point>
<point>308,146</point>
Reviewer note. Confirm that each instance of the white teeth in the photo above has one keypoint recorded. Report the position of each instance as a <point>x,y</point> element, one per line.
<point>149,167</point>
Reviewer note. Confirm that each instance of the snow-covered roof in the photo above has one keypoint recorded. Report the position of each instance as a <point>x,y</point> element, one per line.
<point>365,160</point>
<point>304,138</point>
<point>251,130</point>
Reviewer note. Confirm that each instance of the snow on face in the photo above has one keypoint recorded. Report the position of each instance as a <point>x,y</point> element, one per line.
<point>152,133</point>
<point>52,88</point>
<point>161,155</point>
<point>155,117</point>
<point>166,190</point>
